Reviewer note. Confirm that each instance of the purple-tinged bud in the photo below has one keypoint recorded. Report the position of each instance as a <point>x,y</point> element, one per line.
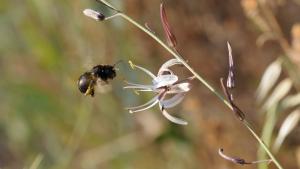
<point>171,39</point>
<point>230,79</point>
<point>94,14</point>
<point>240,161</point>
<point>238,112</point>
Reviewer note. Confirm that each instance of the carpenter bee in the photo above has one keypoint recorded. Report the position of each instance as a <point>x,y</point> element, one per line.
<point>100,73</point>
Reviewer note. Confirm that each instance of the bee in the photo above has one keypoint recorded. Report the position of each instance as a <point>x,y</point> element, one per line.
<point>100,73</point>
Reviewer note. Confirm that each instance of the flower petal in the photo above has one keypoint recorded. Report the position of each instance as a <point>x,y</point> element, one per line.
<point>179,88</point>
<point>165,72</point>
<point>145,106</point>
<point>185,80</point>
<point>173,101</point>
<point>172,118</point>
<point>164,80</point>
<point>168,64</point>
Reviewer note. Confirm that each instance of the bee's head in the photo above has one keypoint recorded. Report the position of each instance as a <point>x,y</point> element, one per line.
<point>86,83</point>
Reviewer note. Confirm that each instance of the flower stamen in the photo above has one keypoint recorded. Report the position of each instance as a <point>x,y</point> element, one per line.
<point>166,82</point>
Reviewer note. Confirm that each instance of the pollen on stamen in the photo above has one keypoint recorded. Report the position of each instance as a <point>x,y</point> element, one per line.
<point>131,64</point>
<point>136,92</point>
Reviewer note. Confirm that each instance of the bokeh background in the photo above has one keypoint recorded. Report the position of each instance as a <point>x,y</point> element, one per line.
<point>45,122</point>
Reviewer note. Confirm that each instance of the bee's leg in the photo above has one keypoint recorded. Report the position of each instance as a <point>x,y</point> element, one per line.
<point>92,93</point>
<point>90,90</point>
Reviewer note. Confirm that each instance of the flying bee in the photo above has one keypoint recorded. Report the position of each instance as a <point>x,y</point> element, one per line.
<point>100,73</point>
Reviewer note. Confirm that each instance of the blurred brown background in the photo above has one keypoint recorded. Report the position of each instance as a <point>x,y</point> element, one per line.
<point>45,121</point>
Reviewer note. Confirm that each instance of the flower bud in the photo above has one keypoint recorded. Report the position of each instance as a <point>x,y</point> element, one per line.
<point>171,39</point>
<point>230,79</point>
<point>94,14</point>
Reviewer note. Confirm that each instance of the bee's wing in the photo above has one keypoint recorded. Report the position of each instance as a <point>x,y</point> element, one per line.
<point>102,86</point>
<point>87,63</point>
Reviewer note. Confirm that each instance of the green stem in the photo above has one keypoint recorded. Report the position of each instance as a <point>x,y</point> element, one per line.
<point>206,84</point>
<point>264,146</point>
<point>267,133</point>
<point>177,56</point>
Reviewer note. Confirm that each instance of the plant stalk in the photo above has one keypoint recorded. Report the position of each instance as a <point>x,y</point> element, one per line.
<point>204,82</point>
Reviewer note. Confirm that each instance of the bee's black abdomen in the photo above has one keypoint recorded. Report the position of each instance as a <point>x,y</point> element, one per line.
<point>104,72</point>
<point>84,81</point>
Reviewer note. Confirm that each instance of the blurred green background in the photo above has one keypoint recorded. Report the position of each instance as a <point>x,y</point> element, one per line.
<point>45,122</point>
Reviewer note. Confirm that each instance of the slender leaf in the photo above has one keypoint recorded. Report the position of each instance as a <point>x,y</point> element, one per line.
<point>37,161</point>
<point>279,92</point>
<point>287,126</point>
<point>268,128</point>
<point>291,101</point>
<point>268,80</point>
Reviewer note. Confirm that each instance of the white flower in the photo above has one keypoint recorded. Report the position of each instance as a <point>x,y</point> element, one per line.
<point>166,82</point>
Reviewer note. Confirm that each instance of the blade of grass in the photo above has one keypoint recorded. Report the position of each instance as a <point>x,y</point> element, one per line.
<point>268,80</point>
<point>37,161</point>
<point>267,131</point>
<point>286,128</point>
